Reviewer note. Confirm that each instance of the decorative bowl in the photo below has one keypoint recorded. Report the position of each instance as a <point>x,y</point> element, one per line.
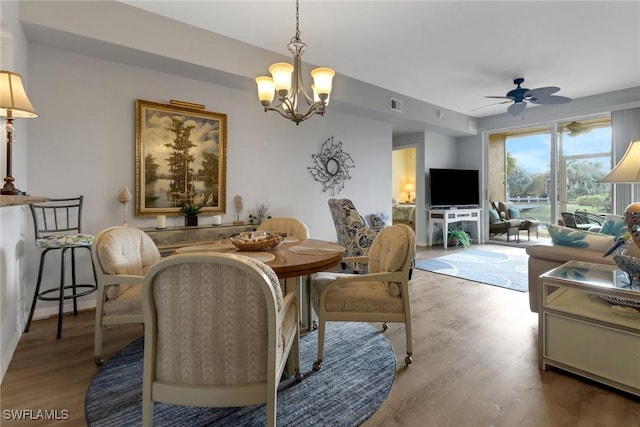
<point>257,240</point>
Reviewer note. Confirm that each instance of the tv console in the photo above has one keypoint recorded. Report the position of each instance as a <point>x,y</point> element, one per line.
<point>448,216</point>
<point>452,208</point>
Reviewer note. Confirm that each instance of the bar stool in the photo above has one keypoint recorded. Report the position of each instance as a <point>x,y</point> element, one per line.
<point>57,225</point>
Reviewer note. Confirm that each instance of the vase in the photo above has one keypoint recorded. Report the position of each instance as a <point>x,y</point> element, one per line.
<point>190,220</point>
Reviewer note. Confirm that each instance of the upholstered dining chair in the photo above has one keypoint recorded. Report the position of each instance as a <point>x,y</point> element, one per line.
<point>121,257</point>
<point>382,295</point>
<point>58,229</point>
<point>352,230</point>
<point>217,333</point>
<point>292,226</point>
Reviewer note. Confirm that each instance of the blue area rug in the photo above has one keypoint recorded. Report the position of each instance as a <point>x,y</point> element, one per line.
<point>357,373</point>
<point>505,270</point>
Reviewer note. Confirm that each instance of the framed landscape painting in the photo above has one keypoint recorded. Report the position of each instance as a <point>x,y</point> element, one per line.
<point>181,156</point>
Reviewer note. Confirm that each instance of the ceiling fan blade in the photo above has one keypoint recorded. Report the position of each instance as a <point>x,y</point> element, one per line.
<point>500,97</point>
<point>490,105</point>
<point>552,99</point>
<point>541,91</point>
<point>516,108</point>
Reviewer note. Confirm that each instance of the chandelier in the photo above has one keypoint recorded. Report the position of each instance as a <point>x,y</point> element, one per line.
<point>286,80</point>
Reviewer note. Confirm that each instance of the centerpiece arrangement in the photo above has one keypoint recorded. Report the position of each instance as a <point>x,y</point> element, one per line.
<point>257,240</point>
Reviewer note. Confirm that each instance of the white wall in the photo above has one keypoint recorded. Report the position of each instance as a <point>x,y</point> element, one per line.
<point>84,143</point>
<point>13,57</point>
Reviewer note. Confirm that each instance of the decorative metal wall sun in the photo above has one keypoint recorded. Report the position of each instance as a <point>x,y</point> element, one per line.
<point>331,166</point>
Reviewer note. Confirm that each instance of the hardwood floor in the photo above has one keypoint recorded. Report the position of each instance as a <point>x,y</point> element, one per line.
<point>475,364</point>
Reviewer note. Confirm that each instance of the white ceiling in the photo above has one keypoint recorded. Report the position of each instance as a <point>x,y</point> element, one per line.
<point>447,53</point>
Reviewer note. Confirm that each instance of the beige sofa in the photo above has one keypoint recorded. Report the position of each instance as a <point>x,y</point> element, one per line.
<point>544,257</point>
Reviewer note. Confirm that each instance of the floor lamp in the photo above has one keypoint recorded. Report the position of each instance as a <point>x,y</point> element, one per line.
<point>13,103</point>
<point>627,171</point>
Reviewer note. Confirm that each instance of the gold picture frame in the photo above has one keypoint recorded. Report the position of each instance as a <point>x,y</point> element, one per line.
<point>181,158</point>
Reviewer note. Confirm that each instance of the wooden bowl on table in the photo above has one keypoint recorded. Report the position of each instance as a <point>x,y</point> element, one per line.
<point>254,241</point>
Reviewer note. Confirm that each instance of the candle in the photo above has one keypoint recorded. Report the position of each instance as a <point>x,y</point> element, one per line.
<point>161,221</point>
<point>217,220</point>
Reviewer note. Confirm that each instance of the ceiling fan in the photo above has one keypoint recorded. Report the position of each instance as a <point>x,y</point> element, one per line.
<point>521,95</point>
<point>576,128</point>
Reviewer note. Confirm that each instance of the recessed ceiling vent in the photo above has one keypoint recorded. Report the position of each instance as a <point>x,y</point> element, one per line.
<point>395,105</point>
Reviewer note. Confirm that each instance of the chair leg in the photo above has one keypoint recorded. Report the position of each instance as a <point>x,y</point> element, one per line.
<point>407,330</point>
<point>61,296</point>
<point>147,412</point>
<point>73,281</point>
<point>321,328</point>
<point>37,291</point>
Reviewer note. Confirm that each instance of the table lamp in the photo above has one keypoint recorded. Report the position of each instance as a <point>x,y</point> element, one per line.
<point>408,188</point>
<point>13,103</point>
<point>627,171</point>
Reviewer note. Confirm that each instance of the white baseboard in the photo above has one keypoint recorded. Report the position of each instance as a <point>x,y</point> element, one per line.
<point>7,353</point>
<point>46,312</point>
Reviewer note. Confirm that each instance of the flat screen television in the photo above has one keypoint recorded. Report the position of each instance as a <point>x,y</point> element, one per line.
<point>454,188</point>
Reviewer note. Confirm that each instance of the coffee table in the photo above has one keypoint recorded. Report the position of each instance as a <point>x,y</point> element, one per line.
<point>588,324</point>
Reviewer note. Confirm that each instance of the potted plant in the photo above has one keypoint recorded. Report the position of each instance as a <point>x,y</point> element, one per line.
<point>457,236</point>
<point>260,214</point>
<point>190,212</point>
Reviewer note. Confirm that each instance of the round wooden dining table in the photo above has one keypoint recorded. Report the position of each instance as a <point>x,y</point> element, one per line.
<point>291,261</point>
<point>294,258</point>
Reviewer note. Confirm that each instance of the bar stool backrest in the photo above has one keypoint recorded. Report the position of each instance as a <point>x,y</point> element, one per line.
<point>57,216</point>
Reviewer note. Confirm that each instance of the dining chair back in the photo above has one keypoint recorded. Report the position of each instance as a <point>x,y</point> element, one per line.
<point>217,333</point>
<point>293,227</point>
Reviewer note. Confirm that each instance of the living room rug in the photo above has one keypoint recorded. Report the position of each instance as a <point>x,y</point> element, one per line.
<point>504,269</point>
<point>357,373</point>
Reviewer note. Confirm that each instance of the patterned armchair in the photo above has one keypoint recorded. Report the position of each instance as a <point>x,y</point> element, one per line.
<point>352,230</point>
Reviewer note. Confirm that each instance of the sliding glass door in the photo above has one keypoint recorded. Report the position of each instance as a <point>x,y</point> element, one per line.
<point>553,168</point>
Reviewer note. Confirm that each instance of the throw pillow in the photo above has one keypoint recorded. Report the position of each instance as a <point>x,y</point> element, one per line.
<point>379,220</point>
<point>565,236</point>
<point>494,216</point>
<point>614,225</point>
<point>514,213</point>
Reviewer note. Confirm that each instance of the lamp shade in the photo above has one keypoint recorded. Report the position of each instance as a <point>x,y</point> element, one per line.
<point>323,80</point>
<point>266,90</point>
<point>13,98</point>
<point>628,168</point>
<point>281,72</point>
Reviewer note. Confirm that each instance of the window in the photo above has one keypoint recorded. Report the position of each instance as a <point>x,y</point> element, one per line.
<point>520,168</point>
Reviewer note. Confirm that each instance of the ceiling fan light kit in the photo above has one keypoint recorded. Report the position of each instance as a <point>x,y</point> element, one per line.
<point>520,96</point>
